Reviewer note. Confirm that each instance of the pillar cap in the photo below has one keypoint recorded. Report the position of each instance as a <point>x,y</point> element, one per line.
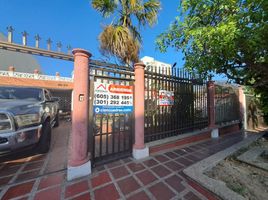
<point>210,83</point>
<point>11,68</point>
<point>139,65</point>
<point>81,52</point>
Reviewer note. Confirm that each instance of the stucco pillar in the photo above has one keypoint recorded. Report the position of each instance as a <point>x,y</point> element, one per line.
<point>242,107</point>
<point>36,74</point>
<point>11,70</point>
<point>139,149</point>
<point>211,109</point>
<point>79,164</point>
<point>57,76</point>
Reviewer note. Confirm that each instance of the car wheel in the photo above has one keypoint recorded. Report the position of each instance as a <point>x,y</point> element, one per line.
<point>44,142</point>
<point>57,120</point>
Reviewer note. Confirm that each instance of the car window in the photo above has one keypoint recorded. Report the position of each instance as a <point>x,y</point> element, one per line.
<point>20,93</point>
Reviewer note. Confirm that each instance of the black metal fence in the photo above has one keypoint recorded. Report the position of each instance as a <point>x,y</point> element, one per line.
<point>226,104</point>
<point>187,109</point>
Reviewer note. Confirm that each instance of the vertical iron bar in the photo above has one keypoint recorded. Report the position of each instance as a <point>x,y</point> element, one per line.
<point>113,133</point>
<point>91,137</point>
<point>119,141</point>
<point>107,133</point>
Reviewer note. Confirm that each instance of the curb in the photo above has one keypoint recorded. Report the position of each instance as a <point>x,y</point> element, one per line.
<point>196,171</point>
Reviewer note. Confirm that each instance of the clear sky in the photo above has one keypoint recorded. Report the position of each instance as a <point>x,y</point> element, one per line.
<point>76,23</point>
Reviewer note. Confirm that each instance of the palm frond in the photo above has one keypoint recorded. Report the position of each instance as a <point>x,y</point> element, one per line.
<point>118,41</point>
<point>105,7</point>
<point>147,13</point>
<point>122,39</point>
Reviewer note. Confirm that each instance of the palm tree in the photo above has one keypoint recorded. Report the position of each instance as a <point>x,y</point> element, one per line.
<point>122,38</point>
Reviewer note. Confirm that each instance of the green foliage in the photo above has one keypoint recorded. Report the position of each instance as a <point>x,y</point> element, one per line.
<point>122,38</point>
<point>263,100</point>
<point>223,36</point>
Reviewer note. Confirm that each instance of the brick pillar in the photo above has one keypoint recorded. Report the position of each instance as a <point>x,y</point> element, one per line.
<point>242,108</point>
<point>211,109</point>
<point>79,164</point>
<point>139,149</point>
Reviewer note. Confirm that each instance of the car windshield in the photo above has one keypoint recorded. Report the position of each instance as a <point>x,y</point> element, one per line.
<point>20,93</point>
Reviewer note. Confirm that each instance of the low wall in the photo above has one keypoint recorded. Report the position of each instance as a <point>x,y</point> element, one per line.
<point>229,129</point>
<point>180,142</point>
<point>192,138</point>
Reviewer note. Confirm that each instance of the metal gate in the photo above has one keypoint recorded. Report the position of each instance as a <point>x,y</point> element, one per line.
<point>110,131</point>
<point>187,109</point>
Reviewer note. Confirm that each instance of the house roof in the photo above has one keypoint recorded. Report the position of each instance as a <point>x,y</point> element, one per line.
<point>21,61</point>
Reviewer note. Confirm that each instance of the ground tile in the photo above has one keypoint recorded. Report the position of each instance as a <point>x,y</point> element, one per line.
<point>18,190</point>
<point>175,182</point>
<point>83,197</point>
<point>150,162</point>
<point>161,191</point>
<point>33,166</point>
<point>127,160</point>
<point>139,196</point>
<point>174,166</point>
<point>181,152</point>
<point>51,180</point>
<point>23,198</point>
<point>114,164</point>
<point>192,157</point>
<point>161,158</point>
<point>119,172</point>
<point>184,161</point>
<point>128,185</point>
<point>51,194</point>
<point>146,177</point>
<point>189,149</point>
<point>101,179</point>
<point>161,171</point>
<point>108,192</point>
<point>27,175</point>
<point>99,168</point>
<point>134,167</point>
<point>191,196</point>
<point>5,180</point>
<point>171,155</point>
<point>6,171</point>
<point>76,188</point>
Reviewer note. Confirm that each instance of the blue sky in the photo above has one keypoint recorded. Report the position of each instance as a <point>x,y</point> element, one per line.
<point>76,23</point>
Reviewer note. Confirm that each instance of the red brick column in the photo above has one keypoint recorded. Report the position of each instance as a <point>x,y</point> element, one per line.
<point>211,104</point>
<point>211,109</point>
<point>79,164</point>
<point>242,107</point>
<point>139,149</point>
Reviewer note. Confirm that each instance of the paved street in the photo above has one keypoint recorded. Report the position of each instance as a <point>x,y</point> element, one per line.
<point>157,177</point>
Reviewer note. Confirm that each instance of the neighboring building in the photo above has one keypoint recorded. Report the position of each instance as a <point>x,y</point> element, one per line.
<point>153,64</point>
<point>22,62</point>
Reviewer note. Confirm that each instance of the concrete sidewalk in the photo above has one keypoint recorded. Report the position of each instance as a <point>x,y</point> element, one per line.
<point>157,177</point>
